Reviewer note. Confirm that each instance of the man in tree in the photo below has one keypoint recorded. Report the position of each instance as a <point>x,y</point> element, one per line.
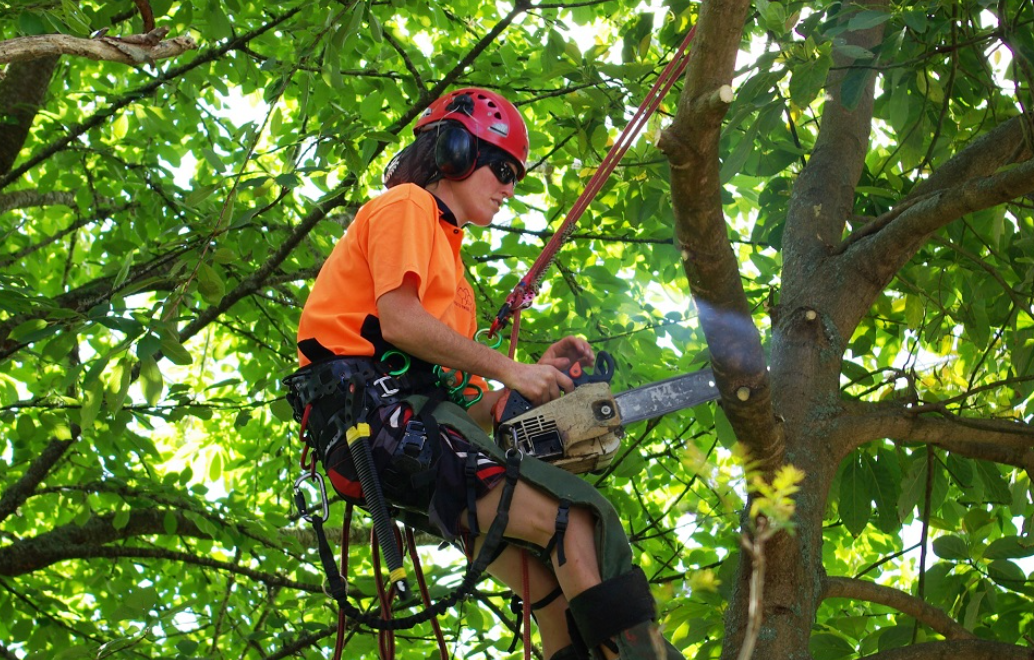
<point>394,290</point>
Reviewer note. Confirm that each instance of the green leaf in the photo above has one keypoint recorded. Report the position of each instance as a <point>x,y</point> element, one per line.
<point>1006,573</point>
<point>867,19</point>
<point>996,488</point>
<point>950,547</point>
<point>121,518</point>
<point>209,284</point>
<point>170,523</point>
<point>92,399</point>
<point>807,80</point>
<point>857,490</point>
<point>30,24</point>
<point>854,86</point>
<point>151,380</point>
<point>199,195</point>
<point>1009,547</point>
<point>281,409</point>
<point>175,351</point>
<point>827,646</point>
<point>26,329</point>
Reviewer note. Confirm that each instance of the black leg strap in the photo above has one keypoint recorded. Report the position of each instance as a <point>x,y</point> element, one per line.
<point>557,541</point>
<point>470,473</point>
<point>547,599</point>
<point>601,612</point>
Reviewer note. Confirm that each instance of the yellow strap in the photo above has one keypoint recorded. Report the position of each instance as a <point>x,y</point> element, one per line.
<point>397,574</point>
<point>357,432</point>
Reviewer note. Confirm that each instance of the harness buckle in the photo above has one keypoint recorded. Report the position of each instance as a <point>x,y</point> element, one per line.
<point>301,501</point>
<point>385,388</point>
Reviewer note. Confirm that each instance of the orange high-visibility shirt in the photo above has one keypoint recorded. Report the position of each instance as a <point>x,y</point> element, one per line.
<point>400,232</point>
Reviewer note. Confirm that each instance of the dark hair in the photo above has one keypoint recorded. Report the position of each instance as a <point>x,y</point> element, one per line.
<point>416,163</point>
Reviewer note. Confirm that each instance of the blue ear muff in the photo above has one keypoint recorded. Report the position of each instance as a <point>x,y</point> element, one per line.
<point>455,152</point>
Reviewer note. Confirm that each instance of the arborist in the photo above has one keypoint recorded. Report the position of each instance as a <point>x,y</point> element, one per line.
<point>393,394</point>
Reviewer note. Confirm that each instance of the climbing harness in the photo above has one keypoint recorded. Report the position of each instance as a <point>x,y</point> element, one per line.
<point>526,289</point>
<point>332,399</point>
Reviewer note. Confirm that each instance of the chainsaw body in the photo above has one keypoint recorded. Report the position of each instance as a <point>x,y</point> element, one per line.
<point>579,432</point>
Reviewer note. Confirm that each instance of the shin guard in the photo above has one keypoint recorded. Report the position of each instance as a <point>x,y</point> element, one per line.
<point>621,611</point>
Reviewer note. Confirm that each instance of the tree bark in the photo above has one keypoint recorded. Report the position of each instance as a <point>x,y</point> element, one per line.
<point>137,49</point>
<point>928,615</point>
<point>970,649</point>
<point>21,96</point>
<point>701,235</point>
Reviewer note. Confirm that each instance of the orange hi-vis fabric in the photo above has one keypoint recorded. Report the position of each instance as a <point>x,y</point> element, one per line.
<point>399,232</point>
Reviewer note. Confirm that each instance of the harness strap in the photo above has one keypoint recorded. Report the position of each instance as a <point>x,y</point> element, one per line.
<point>470,470</point>
<point>337,587</point>
<point>547,599</point>
<point>561,529</point>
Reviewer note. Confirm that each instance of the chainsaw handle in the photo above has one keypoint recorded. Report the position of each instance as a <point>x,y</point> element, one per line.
<point>601,373</point>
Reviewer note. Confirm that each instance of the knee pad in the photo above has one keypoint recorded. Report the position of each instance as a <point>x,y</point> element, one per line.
<point>571,652</point>
<point>614,605</point>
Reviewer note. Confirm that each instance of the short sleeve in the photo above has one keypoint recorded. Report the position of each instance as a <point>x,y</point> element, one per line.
<point>399,241</point>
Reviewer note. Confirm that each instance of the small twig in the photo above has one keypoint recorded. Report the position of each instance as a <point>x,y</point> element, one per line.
<point>755,611</point>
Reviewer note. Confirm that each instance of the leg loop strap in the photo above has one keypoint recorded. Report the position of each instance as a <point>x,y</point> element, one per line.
<point>562,515</point>
<point>547,599</point>
<point>470,470</point>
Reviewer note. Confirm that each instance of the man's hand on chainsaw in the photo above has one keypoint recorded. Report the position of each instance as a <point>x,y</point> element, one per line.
<point>542,382</point>
<point>539,383</point>
<point>568,351</point>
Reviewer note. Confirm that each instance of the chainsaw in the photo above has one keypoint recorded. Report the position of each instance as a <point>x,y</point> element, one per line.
<point>582,430</point>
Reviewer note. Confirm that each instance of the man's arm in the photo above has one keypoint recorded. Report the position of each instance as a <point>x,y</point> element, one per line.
<point>406,324</point>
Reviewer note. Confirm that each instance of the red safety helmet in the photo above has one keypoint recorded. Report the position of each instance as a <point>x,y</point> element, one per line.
<point>486,115</point>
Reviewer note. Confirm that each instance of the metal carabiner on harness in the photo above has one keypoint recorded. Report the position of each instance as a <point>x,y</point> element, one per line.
<point>302,502</point>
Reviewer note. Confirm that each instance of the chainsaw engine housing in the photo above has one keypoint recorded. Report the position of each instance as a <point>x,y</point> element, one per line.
<point>579,432</point>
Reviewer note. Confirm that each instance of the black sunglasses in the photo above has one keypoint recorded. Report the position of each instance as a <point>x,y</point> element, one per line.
<point>503,172</point>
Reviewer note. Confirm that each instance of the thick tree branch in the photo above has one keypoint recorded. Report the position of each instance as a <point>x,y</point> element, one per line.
<point>24,199</point>
<point>823,196</point>
<point>16,495</point>
<point>907,232</point>
<point>100,117</point>
<point>72,540</point>
<point>120,551</point>
<point>701,235</point>
<point>928,615</point>
<point>257,279</point>
<point>136,49</point>
<point>101,214</point>
<point>22,92</point>
<point>963,649</point>
<point>1000,441</point>
<point>971,180</point>
<point>1005,144</point>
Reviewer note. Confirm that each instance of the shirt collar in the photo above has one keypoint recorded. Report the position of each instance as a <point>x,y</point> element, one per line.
<point>446,213</point>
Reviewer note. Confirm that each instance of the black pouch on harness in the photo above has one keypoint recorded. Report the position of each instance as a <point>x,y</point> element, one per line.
<point>337,393</point>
